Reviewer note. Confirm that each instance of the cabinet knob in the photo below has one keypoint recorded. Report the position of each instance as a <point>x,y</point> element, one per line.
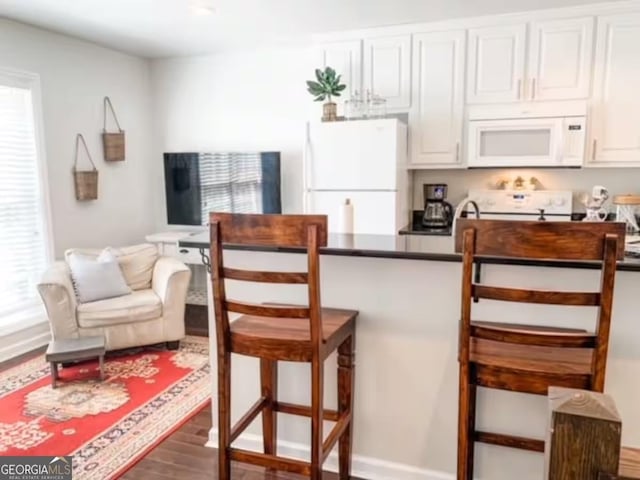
<point>184,250</point>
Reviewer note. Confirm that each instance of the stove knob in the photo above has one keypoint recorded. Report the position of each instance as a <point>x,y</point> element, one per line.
<point>559,201</point>
<point>490,202</point>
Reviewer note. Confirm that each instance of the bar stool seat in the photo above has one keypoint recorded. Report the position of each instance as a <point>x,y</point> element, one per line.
<point>567,367</point>
<point>289,339</point>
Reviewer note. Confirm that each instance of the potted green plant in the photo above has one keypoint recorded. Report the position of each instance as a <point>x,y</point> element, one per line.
<point>326,86</point>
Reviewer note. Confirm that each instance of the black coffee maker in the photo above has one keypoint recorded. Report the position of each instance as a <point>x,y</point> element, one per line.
<point>437,212</point>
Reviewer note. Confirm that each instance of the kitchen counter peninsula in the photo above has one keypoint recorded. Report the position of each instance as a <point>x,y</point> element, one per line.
<point>407,290</point>
<point>410,247</point>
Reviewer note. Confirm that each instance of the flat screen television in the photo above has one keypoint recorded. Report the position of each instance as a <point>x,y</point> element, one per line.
<point>199,183</point>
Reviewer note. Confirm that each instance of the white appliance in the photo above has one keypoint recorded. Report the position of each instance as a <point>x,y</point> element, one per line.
<point>361,161</point>
<point>550,205</point>
<point>533,136</point>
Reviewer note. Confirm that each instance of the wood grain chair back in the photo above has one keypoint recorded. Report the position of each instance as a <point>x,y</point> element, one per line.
<point>308,231</point>
<point>556,241</point>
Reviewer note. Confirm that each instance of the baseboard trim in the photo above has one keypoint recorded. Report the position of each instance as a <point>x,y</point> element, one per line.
<point>24,341</point>
<point>362,467</point>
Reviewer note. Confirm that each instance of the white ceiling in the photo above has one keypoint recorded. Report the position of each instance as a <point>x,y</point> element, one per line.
<point>162,28</point>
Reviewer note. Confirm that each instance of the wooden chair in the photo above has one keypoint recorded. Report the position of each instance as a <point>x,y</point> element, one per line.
<point>522,358</point>
<point>278,332</point>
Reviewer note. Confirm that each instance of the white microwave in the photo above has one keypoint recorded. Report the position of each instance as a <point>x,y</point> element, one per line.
<point>527,142</point>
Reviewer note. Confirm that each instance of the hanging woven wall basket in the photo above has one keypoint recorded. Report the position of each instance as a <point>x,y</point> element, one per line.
<point>113,143</point>
<point>85,181</point>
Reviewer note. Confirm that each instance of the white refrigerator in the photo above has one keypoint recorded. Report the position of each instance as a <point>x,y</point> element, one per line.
<point>364,161</point>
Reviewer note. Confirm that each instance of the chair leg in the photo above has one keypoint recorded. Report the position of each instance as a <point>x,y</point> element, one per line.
<point>346,378</point>
<point>269,386</point>
<point>224,415</point>
<point>466,424</point>
<point>317,395</point>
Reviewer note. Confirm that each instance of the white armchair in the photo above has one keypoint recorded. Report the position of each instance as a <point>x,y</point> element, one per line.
<point>152,313</point>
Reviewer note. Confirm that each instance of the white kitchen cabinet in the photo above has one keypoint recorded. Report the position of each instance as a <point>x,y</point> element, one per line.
<point>387,69</point>
<point>554,64</point>
<point>615,115</point>
<point>345,57</point>
<point>437,112</point>
<point>496,64</point>
<point>560,57</point>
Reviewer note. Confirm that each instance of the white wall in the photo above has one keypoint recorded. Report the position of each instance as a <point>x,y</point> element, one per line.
<point>247,100</point>
<point>75,76</point>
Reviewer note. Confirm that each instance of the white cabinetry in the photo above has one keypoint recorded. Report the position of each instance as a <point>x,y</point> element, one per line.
<point>615,132</point>
<point>560,56</point>
<point>436,115</point>
<point>554,64</point>
<point>387,69</point>
<point>380,65</point>
<point>345,57</point>
<point>496,63</point>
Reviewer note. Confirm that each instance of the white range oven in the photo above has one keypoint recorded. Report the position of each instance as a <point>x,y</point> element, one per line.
<point>526,138</point>
<point>550,205</point>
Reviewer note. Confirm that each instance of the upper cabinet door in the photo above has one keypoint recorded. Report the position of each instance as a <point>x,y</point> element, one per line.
<point>387,69</point>
<point>615,132</point>
<point>496,64</point>
<point>436,115</point>
<point>345,57</point>
<point>560,59</point>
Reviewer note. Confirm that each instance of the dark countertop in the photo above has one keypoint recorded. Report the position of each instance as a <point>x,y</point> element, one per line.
<point>411,247</point>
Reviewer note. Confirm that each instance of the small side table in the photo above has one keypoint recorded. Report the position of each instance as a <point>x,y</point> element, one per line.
<point>72,349</point>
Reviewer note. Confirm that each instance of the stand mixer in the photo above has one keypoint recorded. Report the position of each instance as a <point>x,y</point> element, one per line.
<point>594,204</point>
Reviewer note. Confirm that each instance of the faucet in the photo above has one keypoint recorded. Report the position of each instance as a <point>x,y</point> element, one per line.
<point>460,208</point>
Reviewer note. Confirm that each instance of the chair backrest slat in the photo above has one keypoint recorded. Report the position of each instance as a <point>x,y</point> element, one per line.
<point>536,296</point>
<point>266,310</point>
<point>269,230</point>
<point>266,277</point>
<point>541,240</point>
<point>534,336</point>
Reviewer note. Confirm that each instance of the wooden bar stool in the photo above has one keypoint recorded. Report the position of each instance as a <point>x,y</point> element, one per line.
<point>278,332</point>
<point>523,358</point>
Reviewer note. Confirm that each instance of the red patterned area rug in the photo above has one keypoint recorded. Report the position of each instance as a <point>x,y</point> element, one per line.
<point>107,426</point>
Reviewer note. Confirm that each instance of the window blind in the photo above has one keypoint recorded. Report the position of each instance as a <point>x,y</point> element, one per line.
<point>23,247</point>
<point>230,182</point>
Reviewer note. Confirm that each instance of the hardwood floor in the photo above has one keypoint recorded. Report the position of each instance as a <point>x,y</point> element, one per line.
<point>630,462</point>
<point>183,455</point>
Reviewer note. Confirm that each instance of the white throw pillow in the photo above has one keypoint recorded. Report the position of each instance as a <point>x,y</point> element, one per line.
<point>97,278</point>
